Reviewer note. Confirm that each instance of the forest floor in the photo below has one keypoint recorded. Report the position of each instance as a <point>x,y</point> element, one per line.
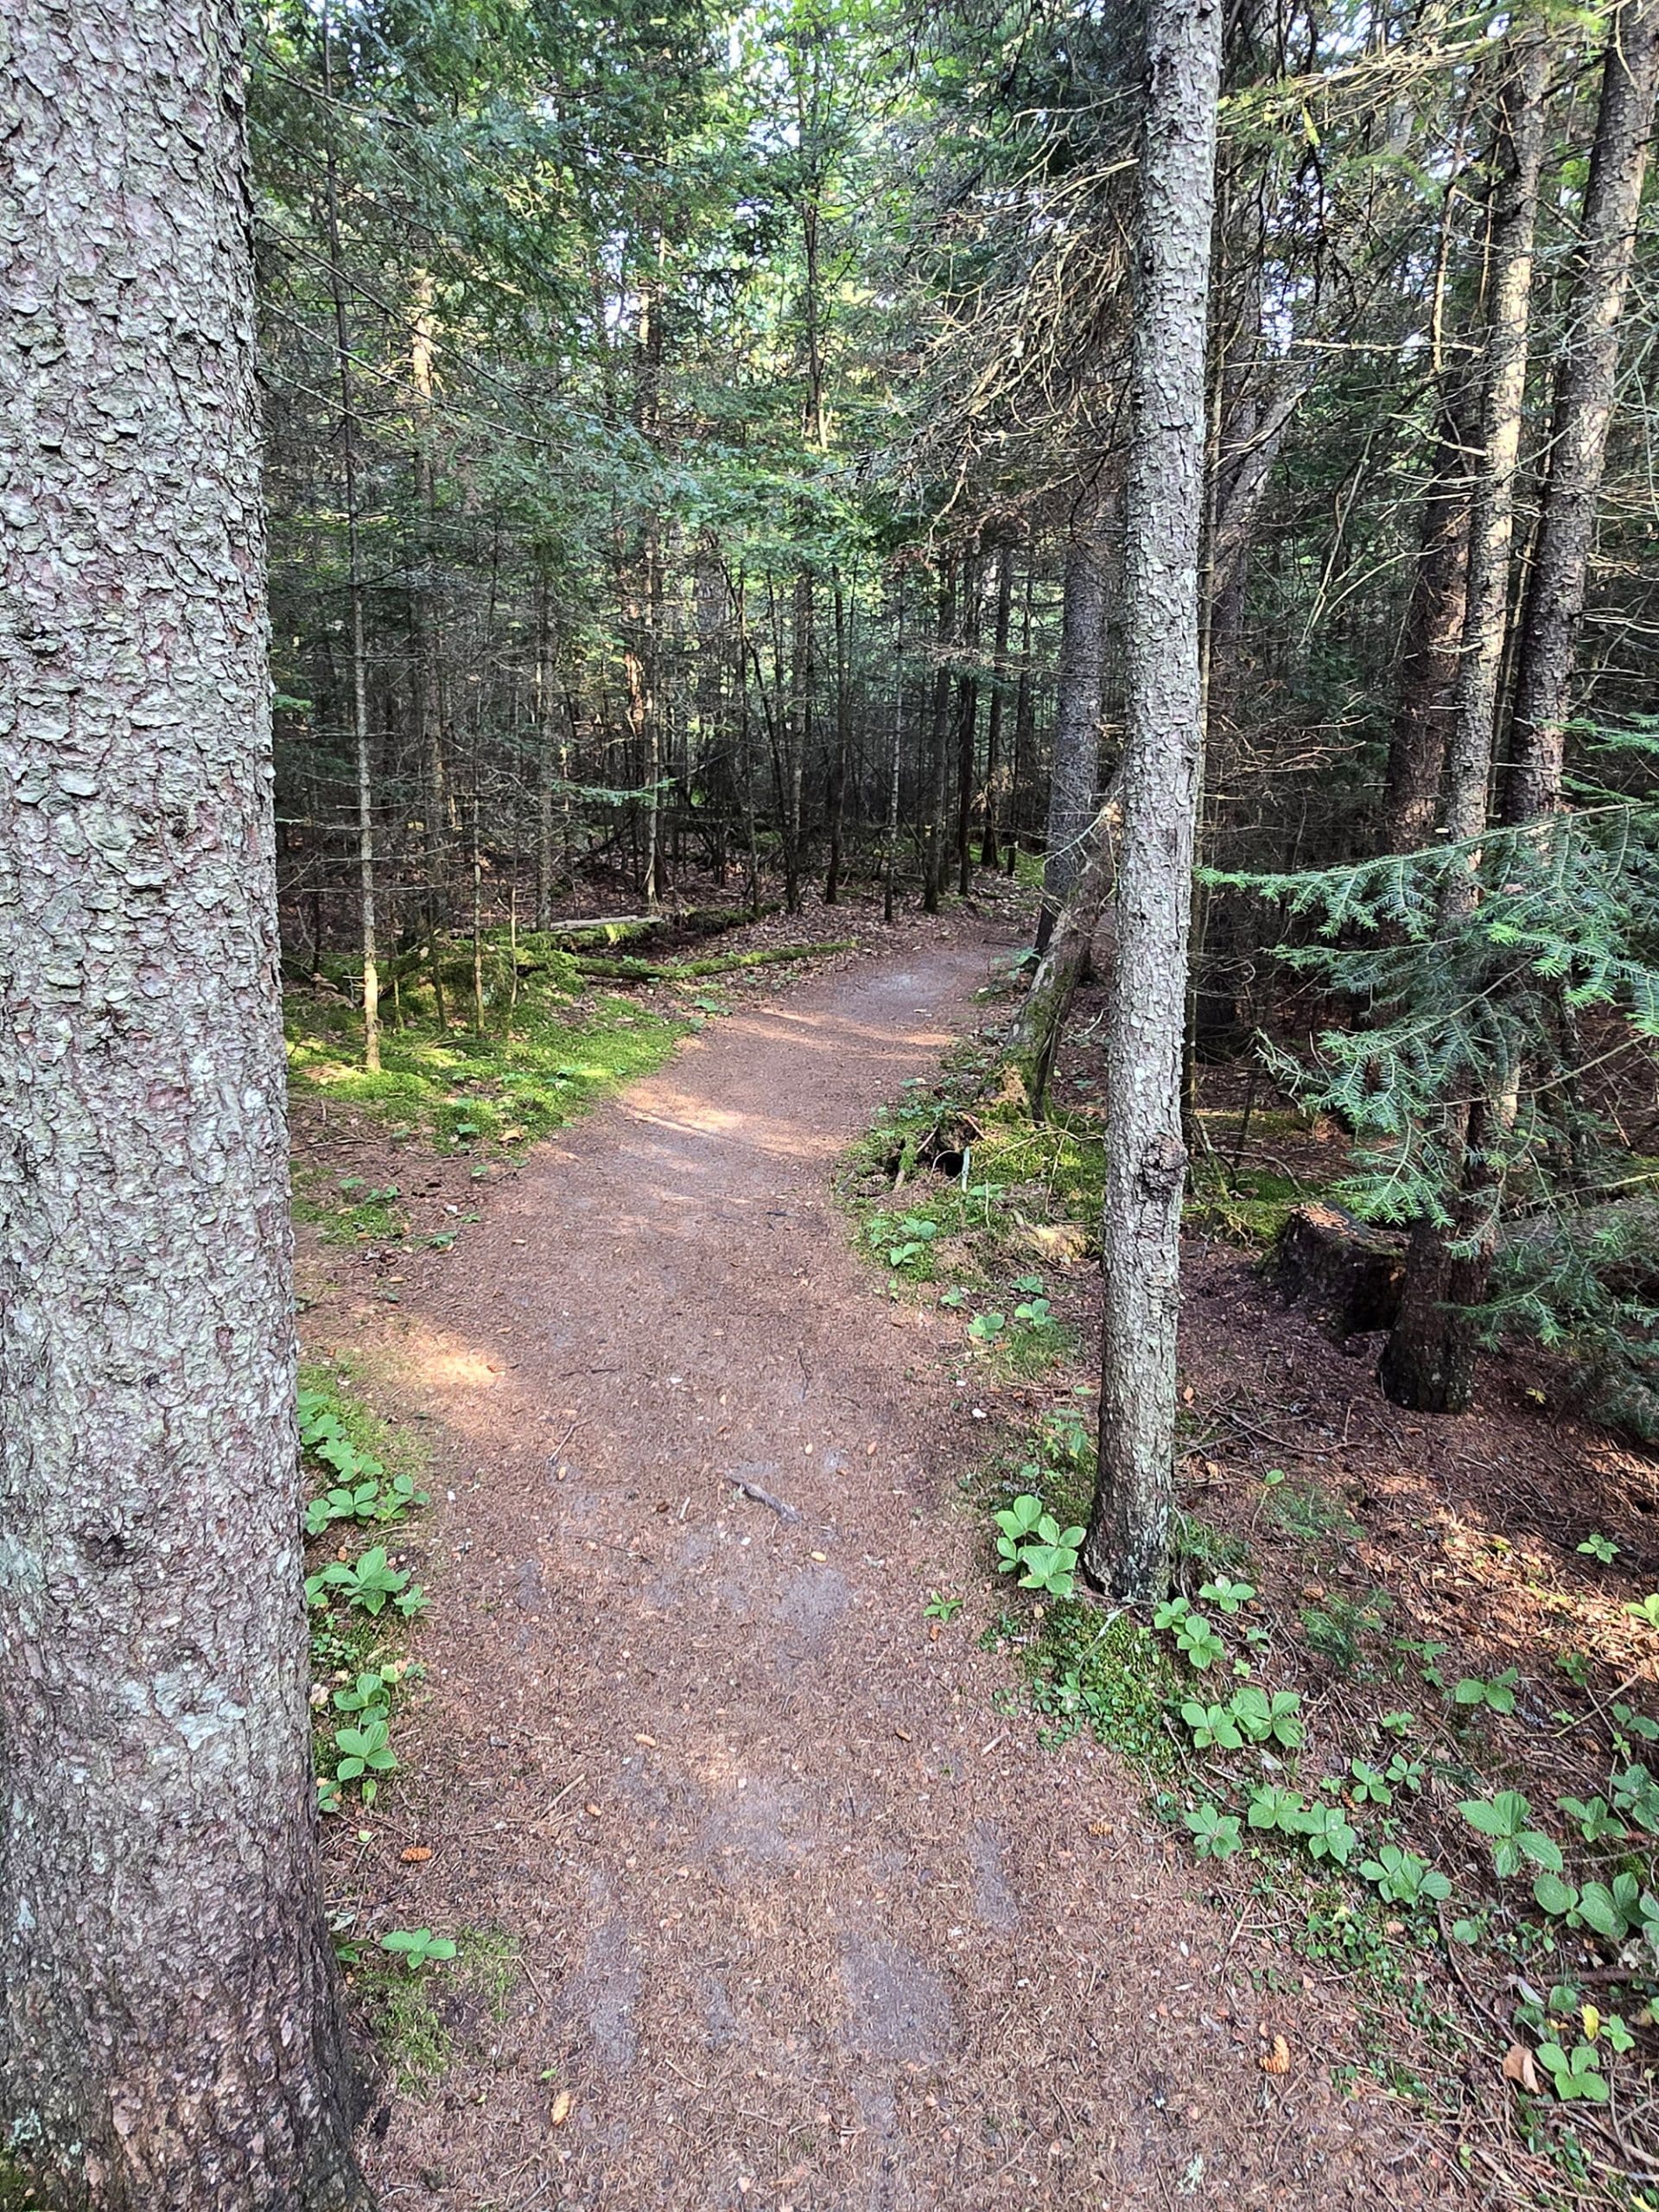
<point>781,1905</point>
<point>770,1888</point>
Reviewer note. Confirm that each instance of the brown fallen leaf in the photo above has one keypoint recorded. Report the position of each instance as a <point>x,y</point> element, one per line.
<point>1100,1828</point>
<point>416,1855</point>
<point>651,1741</point>
<point>561,2111</point>
<point>933,1632</point>
<point>593,1809</point>
<point>1519,2068</point>
<point>1277,2057</point>
<point>903,1734</point>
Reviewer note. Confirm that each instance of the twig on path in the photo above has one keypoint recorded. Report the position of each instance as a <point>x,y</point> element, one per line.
<point>785,1511</point>
<point>1279,1443</point>
<point>1599,1711</point>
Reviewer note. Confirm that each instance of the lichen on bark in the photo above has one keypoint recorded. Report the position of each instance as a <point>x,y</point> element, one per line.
<point>168,2030</point>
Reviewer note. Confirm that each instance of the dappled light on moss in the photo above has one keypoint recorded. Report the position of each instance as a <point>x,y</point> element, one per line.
<point>536,1064</point>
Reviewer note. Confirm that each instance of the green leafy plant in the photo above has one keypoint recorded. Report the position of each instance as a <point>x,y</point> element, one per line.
<point>366,1754</point>
<point>985,1328</point>
<point>1574,2074</point>
<point>1601,1548</point>
<point>1428,1657</point>
<point>941,1608</point>
<point>1035,1313</point>
<point>1596,1820</point>
<point>1226,1595</point>
<point>1032,1540</point>
<point>1369,1786</point>
<point>1498,1693</point>
<point>1645,1609</point>
<point>1329,1833</point>
<point>1194,1635</point>
<point>1403,1877</point>
<point>1212,1726</point>
<point>370,1500</point>
<point>916,1233</point>
<point>1215,1833</point>
<point>417,1946</point>
<point>1505,1819</point>
<point>1269,1716</point>
<point>1273,1807</point>
<point>367,1694</point>
<point>1636,1795</point>
<point>367,1583</point>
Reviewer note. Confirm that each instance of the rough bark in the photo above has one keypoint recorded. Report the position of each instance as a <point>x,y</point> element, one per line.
<point>835,808</point>
<point>990,851</point>
<point>168,2033</point>
<point>548,763</point>
<point>895,763</point>
<point>1584,402</point>
<point>1428,662</point>
<point>1022,729</point>
<point>1428,1363</point>
<point>355,578</point>
<point>1034,1032</point>
<point>426,625</point>
<point>1347,1272</point>
<point>1248,453</point>
<point>1074,768</point>
<point>937,750</point>
<point>1518,159</point>
<point>967,726</point>
<point>1127,1547</point>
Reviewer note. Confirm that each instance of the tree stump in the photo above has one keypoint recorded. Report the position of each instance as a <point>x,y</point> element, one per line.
<point>1348,1274</point>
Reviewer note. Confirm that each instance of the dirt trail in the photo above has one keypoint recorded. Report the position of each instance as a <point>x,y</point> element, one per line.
<point>807,1921</point>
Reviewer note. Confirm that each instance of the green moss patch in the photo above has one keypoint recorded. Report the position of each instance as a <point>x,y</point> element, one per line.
<point>540,1061</point>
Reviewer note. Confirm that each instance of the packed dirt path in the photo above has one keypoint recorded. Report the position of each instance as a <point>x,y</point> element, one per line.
<point>808,1919</point>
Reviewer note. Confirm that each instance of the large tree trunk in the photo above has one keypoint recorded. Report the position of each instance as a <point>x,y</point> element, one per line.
<point>168,2027</point>
<point>895,761</point>
<point>1428,1363</point>
<point>427,636</point>
<point>354,577</point>
<point>937,748</point>
<point>1035,1032</point>
<point>966,724</point>
<point>1428,664</point>
<point>1127,1547</point>
<point>1074,765</point>
<point>1583,400</point>
<point>837,792</point>
<point>990,851</point>
<point>1023,729</point>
